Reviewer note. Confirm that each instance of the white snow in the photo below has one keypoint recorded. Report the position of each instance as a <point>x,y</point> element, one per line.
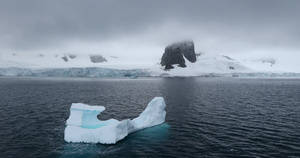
<point>55,61</point>
<point>154,114</point>
<point>205,64</point>
<point>83,125</point>
<point>272,65</point>
<point>80,106</point>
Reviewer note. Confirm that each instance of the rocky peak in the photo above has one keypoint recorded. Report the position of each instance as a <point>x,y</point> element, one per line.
<point>174,54</point>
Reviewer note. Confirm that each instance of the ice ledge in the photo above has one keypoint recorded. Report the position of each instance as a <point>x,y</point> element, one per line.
<point>81,106</point>
<point>84,126</point>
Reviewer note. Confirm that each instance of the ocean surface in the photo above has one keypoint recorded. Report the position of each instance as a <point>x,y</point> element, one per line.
<point>206,117</point>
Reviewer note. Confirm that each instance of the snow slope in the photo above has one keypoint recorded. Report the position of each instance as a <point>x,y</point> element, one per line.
<point>81,66</point>
<point>206,64</point>
<point>272,64</point>
<point>57,61</point>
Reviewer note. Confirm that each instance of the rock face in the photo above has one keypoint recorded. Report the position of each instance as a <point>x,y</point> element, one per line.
<point>71,56</point>
<point>97,59</point>
<point>65,58</point>
<point>174,54</point>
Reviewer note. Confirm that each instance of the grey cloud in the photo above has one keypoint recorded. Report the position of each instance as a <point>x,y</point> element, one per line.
<point>35,24</point>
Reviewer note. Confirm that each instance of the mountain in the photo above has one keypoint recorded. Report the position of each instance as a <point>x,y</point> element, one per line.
<point>54,60</point>
<point>73,65</point>
<point>206,64</point>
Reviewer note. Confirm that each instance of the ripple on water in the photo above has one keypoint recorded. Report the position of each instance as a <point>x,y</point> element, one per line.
<point>206,117</point>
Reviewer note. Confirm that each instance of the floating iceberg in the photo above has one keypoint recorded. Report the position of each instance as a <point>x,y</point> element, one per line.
<point>84,126</point>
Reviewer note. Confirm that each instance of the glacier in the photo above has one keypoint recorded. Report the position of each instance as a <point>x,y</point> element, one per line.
<point>207,65</point>
<point>84,126</point>
<point>73,72</point>
<point>134,73</point>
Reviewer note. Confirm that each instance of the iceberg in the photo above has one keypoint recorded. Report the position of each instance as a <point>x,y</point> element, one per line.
<point>84,126</point>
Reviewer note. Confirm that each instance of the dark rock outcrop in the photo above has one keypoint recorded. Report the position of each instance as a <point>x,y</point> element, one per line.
<point>97,58</point>
<point>188,50</point>
<point>65,58</point>
<point>171,57</point>
<point>174,54</point>
<point>71,56</point>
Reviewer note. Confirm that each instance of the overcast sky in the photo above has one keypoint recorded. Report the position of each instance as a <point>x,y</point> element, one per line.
<point>145,27</point>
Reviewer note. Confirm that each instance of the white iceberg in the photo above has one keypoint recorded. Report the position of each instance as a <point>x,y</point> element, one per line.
<point>84,126</point>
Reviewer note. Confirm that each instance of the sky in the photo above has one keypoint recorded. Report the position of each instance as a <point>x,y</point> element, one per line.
<point>143,28</point>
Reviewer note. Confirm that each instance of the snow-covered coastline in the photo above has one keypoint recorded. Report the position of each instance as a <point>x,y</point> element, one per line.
<point>104,72</point>
<point>207,65</point>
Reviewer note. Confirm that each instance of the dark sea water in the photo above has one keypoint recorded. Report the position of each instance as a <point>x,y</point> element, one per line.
<point>206,117</point>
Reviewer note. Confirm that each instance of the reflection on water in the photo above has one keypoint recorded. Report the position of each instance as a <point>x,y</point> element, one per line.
<point>150,135</point>
<point>153,135</point>
<point>206,117</point>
